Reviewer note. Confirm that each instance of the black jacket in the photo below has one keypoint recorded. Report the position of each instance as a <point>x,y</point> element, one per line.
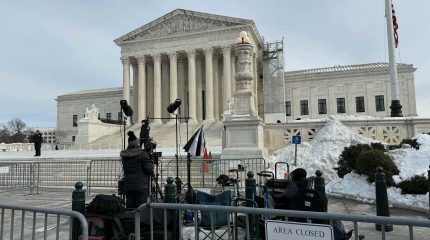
<point>137,168</point>
<point>37,138</point>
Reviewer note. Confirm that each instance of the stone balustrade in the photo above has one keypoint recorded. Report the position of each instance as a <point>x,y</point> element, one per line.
<point>389,130</point>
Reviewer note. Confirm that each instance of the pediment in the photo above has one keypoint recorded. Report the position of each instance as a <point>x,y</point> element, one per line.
<point>181,22</point>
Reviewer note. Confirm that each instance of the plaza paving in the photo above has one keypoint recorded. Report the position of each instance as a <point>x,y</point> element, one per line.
<point>62,200</point>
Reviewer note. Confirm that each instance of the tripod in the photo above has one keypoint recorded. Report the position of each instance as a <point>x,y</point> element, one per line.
<point>155,190</point>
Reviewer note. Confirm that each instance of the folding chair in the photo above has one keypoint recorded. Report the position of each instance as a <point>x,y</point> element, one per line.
<point>217,223</point>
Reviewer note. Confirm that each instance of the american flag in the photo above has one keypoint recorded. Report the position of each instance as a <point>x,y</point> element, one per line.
<point>395,27</point>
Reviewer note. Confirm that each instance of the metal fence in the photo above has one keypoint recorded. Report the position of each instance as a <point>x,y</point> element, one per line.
<point>407,228</point>
<point>204,172</point>
<point>21,222</point>
<point>96,175</point>
<point>103,175</point>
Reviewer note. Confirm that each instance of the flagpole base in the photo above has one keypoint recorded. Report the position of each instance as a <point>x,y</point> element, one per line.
<point>396,109</point>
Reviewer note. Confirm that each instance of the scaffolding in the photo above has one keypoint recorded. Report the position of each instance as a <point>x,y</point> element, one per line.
<point>273,82</point>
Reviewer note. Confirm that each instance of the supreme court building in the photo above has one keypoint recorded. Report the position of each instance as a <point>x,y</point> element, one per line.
<point>189,55</point>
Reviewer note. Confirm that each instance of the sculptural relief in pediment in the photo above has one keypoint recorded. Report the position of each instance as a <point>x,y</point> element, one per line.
<point>181,24</point>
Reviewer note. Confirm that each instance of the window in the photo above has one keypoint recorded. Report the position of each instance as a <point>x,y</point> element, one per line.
<point>73,138</point>
<point>304,110</point>
<point>379,102</point>
<point>322,106</point>
<point>119,116</point>
<point>288,108</point>
<point>359,104</point>
<point>341,105</point>
<point>108,116</point>
<point>75,120</point>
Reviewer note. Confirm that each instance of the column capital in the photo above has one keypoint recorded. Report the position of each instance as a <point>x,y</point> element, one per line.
<point>125,60</point>
<point>140,59</point>
<point>156,57</point>
<point>173,55</point>
<point>208,51</point>
<point>134,65</point>
<point>226,49</point>
<point>191,52</point>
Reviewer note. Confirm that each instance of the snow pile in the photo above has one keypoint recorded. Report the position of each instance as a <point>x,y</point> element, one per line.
<point>410,162</point>
<point>322,153</point>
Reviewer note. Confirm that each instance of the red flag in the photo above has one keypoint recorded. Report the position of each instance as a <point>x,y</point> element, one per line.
<point>205,159</point>
<point>395,27</point>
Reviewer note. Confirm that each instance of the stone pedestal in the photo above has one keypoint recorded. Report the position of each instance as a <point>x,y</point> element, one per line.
<point>243,129</point>
<point>243,138</point>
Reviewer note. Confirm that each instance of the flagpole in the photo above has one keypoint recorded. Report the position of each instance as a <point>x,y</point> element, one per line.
<point>396,107</point>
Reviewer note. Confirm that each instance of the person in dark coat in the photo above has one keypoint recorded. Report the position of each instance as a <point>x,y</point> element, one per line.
<point>144,132</point>
<point>137,169</point>
<point>289,195</point>
<point>37,140</point>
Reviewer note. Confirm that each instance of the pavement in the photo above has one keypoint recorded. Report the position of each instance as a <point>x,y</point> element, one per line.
<point>62,200</point>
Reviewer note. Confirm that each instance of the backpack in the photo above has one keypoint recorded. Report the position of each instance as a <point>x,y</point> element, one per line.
<point>106,205</point>
<point>310,200</point>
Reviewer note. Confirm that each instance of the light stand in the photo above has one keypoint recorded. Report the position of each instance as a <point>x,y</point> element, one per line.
<point>178,180</point>
<point>128,112</point>
<point>123,139</point>
<point>171,109</point>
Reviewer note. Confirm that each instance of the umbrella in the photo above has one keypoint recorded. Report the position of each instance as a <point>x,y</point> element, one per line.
<point>196,145</point>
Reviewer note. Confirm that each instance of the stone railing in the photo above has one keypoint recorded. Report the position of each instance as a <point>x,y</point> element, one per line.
<point>389,130</point>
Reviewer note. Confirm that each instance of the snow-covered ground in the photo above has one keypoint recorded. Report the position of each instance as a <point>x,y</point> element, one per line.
<point>323,153</point>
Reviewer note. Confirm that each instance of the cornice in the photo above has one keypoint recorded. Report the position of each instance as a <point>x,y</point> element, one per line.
<point>196,39</point>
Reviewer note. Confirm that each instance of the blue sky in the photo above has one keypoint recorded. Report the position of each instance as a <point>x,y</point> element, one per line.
<point>49,48</point>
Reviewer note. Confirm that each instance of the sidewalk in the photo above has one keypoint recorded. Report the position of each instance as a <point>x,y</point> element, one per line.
<point>62,200</point>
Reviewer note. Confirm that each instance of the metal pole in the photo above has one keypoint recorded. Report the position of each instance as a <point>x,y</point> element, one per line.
<point>396,107</point>
<point>295,155</point>
<point>382,208</point>
<point>78,204</point>
<point>178,180</point>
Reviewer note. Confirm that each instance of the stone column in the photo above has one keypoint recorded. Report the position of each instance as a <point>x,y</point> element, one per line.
<point>141,92</point>
<point>135,105</point>
<point>173,79</point>
<point>215,86</point>
<point>181,84</point>
<point>199,87</point>
<point>157,87</point>
<point>125,79</point>
<point>209,84</point>
<point>226,84</point>
<point>191,53</point>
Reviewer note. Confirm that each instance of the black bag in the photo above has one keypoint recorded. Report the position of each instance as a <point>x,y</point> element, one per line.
<point>106,205</point>
<point>310,200</point>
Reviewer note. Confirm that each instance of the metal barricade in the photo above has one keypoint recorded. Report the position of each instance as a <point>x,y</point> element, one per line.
<point>104,175</point>
<point>61,175</point>
<point>205,171</point>
<point>407,224</point>
<point>18,176</point>
<point>21,222</point>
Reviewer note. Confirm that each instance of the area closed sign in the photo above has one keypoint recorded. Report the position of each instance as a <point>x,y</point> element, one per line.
<point>282,230</point>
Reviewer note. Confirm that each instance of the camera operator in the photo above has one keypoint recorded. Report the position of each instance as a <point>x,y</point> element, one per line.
<point>144,132</point>
<point>138,168</point>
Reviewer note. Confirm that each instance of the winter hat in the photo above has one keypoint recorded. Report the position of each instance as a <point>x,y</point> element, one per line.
<point>298,174</point>
<point>132,139</point>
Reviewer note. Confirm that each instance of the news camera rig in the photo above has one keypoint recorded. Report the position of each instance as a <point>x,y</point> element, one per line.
<point>150,146</point>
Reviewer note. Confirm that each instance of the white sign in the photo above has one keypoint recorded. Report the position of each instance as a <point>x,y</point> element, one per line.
<point>4,169</point>
<point>282,230</point>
